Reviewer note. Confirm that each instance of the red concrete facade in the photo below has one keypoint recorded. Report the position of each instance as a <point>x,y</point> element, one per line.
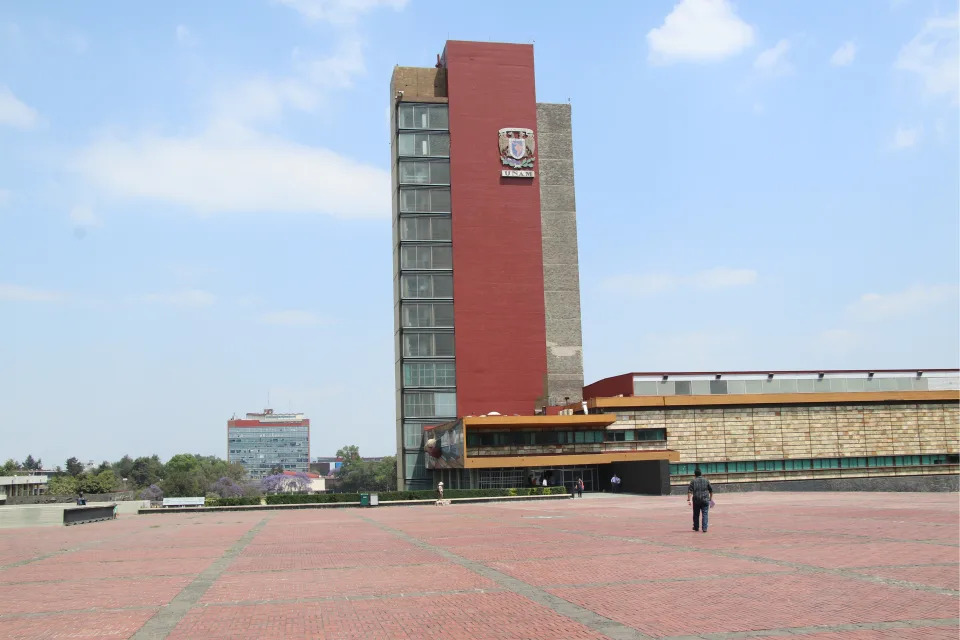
<point>609,387</point>
<point>499,313</point>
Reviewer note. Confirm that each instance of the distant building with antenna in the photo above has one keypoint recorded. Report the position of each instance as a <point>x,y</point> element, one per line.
<point>263,441</point>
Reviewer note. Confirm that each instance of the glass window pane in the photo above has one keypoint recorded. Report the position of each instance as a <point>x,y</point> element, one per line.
<point>444,344</point>
<point>414,172</point>
<point>406,144</point>
<point>440,229</point>
<point>408,257</point>
<point>439,145</point>
<point>443,314</point>
<point>441,257</point>
<point>438,117</point>
<point>439,200</point>
<point>442,286</point>
<point>439,172</point>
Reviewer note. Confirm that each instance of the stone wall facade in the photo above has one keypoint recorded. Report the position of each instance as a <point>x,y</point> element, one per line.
<point>734,434</point>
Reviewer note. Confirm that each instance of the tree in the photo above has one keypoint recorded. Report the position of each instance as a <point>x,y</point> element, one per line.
<point>103,466</point>
<point>226,488</point>
<point>357,474</point>
<point>146,471</point>
<point>276,470</point>
<point>74,467</point>
<point>297,482</point>
<point>349,452</point>
<point>30,464</point>
<point>62,486</point>
<point>10,467</point>
<point>153,492</point>
<point>123,467</point>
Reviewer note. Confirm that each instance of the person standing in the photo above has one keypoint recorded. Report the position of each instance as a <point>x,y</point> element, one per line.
<point>702,493</point>
<point>440,490</point>
<point>579,487</point>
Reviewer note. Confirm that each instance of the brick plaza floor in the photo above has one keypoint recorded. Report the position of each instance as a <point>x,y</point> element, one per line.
<point>815,566</point>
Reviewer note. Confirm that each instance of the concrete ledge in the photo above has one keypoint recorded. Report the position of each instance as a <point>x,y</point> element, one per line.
<point>343,505</point>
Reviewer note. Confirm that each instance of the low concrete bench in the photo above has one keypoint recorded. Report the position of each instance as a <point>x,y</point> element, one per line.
<point>82,515</point>
<point>184,502</point>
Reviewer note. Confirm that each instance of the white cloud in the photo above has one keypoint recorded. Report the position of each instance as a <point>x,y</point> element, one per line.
<point>14,113</point>
<point>339,11</point>
<point>723,278</point>
<point>185,36</point>
<point>844,56</point>
<point>237,171</point>
<point>906,137</point>
<point>291,318</point>
<point>16,293</point>
<point>934,55</point>
<point>915,300</point>
<point>653,283</point>
<point>184,298</point>
<point>699,31</point>
<point>265,98</point>
<point>773,61</point>
<point>83,217</point>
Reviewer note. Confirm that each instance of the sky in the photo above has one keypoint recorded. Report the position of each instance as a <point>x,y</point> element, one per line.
<point>195,201</point>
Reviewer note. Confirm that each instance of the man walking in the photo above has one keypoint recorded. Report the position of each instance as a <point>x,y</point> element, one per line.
<point>702,493</point>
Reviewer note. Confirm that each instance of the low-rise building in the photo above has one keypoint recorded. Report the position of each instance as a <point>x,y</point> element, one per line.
<point>891,429</point>
<point>25,485</point>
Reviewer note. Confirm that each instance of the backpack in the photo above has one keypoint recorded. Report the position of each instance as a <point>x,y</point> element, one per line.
<point>701,492</point>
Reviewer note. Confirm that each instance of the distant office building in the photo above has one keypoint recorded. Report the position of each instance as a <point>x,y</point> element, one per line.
<point>264,441</point>
<point>486,281</point>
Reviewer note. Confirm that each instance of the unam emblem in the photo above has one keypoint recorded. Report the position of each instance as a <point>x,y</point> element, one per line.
<point>517,147</point>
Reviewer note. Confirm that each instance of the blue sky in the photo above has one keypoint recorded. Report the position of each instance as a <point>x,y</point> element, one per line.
<point>194,200</point>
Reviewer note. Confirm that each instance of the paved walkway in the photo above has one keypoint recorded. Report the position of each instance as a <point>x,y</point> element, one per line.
<point>815,566</point>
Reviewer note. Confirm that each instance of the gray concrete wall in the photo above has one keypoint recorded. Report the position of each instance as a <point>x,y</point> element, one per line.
<point>51,515</point>
<point>925,483</point>
<point>561,269</point>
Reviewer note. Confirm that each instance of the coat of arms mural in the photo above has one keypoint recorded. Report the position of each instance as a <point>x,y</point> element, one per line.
<point>517,147</point>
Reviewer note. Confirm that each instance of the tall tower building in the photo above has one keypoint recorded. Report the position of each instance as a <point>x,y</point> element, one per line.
<point>486,278</point>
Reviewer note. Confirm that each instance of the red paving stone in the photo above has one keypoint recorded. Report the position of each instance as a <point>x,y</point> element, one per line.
<point>382,573</point>
<point>68,595</point>
<point>77,625</point>
<point>946,577</point>
<point>732,604</point>
<point>463,616</point>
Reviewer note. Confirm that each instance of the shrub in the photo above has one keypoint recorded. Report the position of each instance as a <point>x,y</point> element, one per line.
<point>231,501</point>
<point>394,496</point>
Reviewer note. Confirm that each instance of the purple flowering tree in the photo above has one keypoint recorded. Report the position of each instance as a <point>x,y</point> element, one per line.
<point>226,488</point>
<point>153,492</point>
<point>286,483</point>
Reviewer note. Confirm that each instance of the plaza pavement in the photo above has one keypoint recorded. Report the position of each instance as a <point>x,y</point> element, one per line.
<point>813,566</point>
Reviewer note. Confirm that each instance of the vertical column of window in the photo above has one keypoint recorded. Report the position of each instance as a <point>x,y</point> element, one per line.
<point>425,255</point>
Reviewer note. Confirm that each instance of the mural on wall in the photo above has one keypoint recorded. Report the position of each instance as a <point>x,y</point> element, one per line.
<point>444,446</point>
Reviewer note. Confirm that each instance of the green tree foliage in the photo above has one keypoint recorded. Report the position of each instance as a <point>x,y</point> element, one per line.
<point>357,474</point>
<point>74,467</point>
<point>103,482</point>
<point>186,474</point>
<point>123,468</point>
<point>63,486</point>
<point>10,467</point>
<point>32,465</point>
<point>145,471</point>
